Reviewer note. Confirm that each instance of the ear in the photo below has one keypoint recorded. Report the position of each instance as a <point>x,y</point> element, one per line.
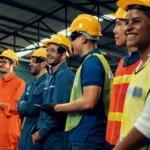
<point>83,39</point>
<point>63,56</point>
<point>43,64</point>
<point>13,65</point>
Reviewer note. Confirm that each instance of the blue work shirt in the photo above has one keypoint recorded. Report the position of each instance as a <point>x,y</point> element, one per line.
<point>57,90</point>
<point>93,124</point>
<point>33,95</point>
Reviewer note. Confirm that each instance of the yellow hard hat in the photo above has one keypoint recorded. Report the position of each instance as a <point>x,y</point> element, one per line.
<point>40,52</point>
<point>9,53</point>
<point>86,23</point>
<point>125,3</point>
<point>120,13</point>
<point>60,40</point>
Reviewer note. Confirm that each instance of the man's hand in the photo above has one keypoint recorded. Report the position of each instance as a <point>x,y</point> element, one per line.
<point>36,137</point>
<point>48,109</point>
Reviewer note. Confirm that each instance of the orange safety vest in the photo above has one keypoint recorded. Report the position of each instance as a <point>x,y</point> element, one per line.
<point>10,91</point>
<point>118,92</point>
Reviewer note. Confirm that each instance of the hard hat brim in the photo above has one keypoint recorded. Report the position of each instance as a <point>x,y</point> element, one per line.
<point>125,3</point>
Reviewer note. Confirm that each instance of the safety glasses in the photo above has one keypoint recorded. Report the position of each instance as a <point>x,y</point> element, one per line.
<point>37,60</point>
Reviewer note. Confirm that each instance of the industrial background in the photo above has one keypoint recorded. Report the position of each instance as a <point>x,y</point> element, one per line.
<point>24,23</point>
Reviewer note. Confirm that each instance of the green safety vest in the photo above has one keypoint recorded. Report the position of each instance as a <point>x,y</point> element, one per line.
<point>74,118</point>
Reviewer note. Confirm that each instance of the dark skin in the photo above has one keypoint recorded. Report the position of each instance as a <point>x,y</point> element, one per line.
<point>137,31</point>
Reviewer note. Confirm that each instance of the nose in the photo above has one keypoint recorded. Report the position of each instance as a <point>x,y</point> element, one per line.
<point>128,27</point>
<point>30,64</point>
<point>115,30</point>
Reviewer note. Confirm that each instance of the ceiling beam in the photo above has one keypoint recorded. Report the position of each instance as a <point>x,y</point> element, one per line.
<point>76,6</point>
<point>105,4</point>
<point>22,31</point>
<point>11,45</point>
<point>2,48</point>
<point>8,19</point>
<point>31,9</point>
<point>81,8</point>
<point>18,35</point>
<point>30,23</point>
<point>50,29</point>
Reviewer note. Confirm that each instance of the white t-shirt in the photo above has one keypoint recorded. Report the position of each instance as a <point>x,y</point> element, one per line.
<point>143,122</point>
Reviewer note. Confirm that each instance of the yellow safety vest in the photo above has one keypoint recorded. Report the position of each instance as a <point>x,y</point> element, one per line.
<point>74,118</point>
<point>135,99</point>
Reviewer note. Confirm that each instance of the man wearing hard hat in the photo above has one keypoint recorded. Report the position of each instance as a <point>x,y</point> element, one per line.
<point>29,105</point>
<point>135,120</point>
<point>121,80</point>
<point>11,88</point>
<point>86,120</point>
<point>50,128</point>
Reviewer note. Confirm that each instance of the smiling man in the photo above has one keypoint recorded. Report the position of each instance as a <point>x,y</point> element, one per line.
<point>135,120</point>
<point>86,119</point>
<point>50,128</point>
<point>121,80</point>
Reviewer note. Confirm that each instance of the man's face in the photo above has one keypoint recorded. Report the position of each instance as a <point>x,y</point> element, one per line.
<point>35,68</point>
<point>53,56</point>
<point>137,29</point>
<point>5,65</point>
<point>119,33</point>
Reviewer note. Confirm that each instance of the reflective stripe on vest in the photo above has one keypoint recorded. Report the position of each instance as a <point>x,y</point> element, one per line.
<point>122,79</point>
<point>73,118</point>
<point>118,92</point>
<point>115,116</point>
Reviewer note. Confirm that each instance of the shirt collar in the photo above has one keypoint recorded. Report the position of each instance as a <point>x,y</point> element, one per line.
<point>131,59</point>
<point>10,77</point>
<point>60,67</point>
<point>95,50</point>
<point>41,78</point>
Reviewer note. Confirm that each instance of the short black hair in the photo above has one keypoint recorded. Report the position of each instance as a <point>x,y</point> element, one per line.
<point>145,9</point>
<point>62,48</point>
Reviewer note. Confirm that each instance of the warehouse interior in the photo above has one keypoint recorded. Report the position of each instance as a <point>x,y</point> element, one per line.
<point>25,23</point>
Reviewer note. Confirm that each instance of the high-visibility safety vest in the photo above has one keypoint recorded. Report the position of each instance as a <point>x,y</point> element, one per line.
<point>135,99</point>
<point>73,118</point>
<point>118,92</point>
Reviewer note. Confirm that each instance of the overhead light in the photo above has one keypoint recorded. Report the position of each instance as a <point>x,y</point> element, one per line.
<point>109,17</point>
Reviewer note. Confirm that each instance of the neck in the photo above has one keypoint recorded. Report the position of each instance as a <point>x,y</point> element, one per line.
<point>131,50</point>
<point>6,75</point>
<point>41,73</point>
<point>145,55</point>
<point>87,48</point>
<point>54,68</point>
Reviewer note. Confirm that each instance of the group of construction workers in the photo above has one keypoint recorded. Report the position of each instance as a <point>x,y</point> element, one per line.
<point>91,110</point>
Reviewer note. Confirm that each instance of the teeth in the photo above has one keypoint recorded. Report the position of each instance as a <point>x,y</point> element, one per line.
<point>131,36</point>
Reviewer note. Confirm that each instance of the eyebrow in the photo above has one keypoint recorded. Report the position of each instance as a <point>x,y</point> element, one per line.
<point>137,18</point>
